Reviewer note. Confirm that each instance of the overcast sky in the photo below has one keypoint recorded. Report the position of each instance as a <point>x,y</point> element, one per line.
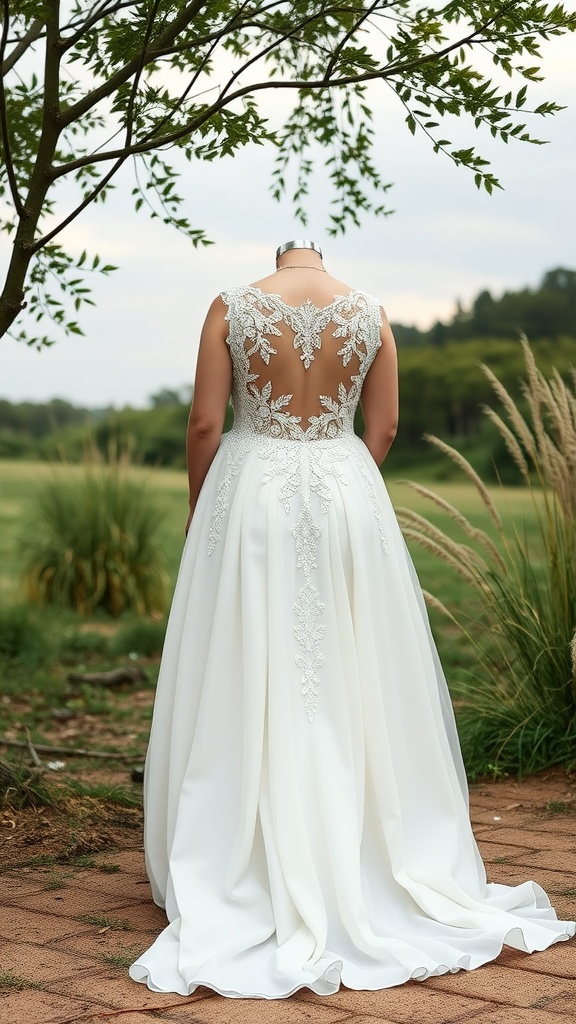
<point>445,242</point>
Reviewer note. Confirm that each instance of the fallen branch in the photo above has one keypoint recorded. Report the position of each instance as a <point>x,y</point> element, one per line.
<point>115,677</point>
<point>47,748</point>
<point>38,764</point>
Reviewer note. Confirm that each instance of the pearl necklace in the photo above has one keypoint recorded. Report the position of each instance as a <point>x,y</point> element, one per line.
<point>301,266</point>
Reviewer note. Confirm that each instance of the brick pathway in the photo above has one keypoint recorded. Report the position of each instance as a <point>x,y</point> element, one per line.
<point>78,966</point>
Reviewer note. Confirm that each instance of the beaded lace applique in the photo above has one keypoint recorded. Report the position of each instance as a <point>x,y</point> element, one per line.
<point>265,424</point>
<point>253,316</point>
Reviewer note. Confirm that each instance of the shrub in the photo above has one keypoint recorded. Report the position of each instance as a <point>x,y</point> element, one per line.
<point>22,640</point>
<point>142,637</point>
<point>78,644</point>
<point>91,540</point>
<point>518,712</point>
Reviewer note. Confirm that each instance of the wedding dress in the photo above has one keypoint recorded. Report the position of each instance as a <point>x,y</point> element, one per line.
<point>306,814</point>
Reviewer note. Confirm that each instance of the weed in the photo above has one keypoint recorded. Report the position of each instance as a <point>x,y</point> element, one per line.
<point>90,700</point>
<point>122,957</point>
<point>21,786</point>
<point>540,1003</point>
<point>10,982</point>
<point>56,881</point>
<point>114,923</point>
<point>106,792</point>
<point>109,869</point>
<point>559,807</point>
<point>82,860</point>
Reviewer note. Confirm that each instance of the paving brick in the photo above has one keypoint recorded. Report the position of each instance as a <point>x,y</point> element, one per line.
<point>515,874</point>
<point>503,985</point>
<point>563,825</point>
<point>515,1015</point>
<point>124,883</point>
<point>129,860</point>
<point>31,1007</point>
<point>18,925</point>
<point>512,836</point>
<point>99,943</point>
<point>559,961</point>
<point>115,989</point>
<point>13,887</point>
<point>554,860</point>
<point>492,852</point>
<point>553,841</point>
<point>70,901</point>
<point>218,1010</point>
<point>480,816</point>
<point>564,1006</point>
<point>412,1003</point>
<point>140,1018</point>
<point>42,963</point>
<point>144,916</point>
<point>369,1020</point>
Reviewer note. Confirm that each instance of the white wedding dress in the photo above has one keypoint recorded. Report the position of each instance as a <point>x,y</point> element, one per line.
<point>306,815</point>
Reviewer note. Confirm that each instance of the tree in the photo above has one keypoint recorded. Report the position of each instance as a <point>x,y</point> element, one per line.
<point>87,88</point>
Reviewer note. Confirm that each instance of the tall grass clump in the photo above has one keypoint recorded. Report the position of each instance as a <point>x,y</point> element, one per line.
<point>91,540</point>
<point>23,641</point>
<point>518,711</point>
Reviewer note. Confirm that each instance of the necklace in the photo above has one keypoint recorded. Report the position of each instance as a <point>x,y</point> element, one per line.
<point>301,266</point>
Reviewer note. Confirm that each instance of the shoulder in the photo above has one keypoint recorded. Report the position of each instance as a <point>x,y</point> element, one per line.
<point>372,305</point>
<point>231,295</point>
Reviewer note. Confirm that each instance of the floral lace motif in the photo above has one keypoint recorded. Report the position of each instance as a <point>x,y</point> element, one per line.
<point>253,316</point>
<point>238,445</point>
<point>307,472</point>
<point>308,630</point>
<point>265,423</point>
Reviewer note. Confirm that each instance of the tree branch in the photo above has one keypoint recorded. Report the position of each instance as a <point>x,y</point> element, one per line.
<point>124,74</point>
<point>4,133</point>
<point>49,748</point>
<point>334,58</point>
<point>103,12</point>
<point>33,33</point>
<point>382,73</point>
<point>138,75</point>
<point>89,198</point>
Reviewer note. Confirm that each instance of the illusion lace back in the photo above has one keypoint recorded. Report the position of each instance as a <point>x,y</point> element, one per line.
<point>306,816</point>
<point>299,370</point>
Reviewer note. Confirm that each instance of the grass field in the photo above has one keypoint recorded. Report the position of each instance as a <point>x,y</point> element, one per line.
<point>35,692</point>
<point>18,481</point>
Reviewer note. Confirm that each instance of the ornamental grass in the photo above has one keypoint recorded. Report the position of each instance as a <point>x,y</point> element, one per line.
<point>517,712</point>
<point>91,540</point>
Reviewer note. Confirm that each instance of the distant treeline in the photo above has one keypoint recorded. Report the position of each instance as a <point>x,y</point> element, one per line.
<point>442,386</point>
<point>441,392</point>
<point>548,311</point>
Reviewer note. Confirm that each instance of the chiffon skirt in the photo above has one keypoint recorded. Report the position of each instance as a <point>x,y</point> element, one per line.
<point>306,815</point>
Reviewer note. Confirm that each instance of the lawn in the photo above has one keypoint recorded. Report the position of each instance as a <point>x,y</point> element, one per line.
<point>36,694</point>
<point>18,481</point>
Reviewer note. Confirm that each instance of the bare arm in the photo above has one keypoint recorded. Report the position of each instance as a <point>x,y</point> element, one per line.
<point>211,393</point>
<point>380,397</point>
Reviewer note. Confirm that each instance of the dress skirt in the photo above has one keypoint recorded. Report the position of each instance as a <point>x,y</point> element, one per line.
<point>306,807</point>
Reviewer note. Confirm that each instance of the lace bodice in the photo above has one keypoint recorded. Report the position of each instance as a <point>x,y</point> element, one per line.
<point>290,380</point>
